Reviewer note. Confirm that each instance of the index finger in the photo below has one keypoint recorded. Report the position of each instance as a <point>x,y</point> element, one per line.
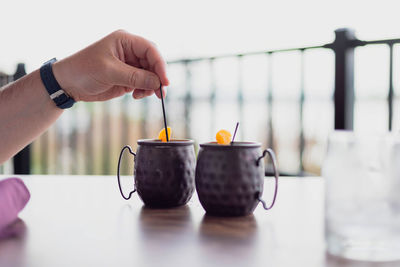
<point>138,47</point>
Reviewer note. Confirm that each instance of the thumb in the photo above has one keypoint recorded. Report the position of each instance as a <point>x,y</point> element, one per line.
<point>132,77</point>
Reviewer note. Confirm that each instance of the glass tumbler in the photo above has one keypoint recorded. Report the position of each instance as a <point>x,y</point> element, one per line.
<point>362,196</point>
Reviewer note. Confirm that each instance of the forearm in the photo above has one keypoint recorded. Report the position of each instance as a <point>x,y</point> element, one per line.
<point>26,111</point>
<point>117,64</point>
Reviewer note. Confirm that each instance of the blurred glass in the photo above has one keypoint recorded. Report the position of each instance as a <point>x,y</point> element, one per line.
<point>362,196</point>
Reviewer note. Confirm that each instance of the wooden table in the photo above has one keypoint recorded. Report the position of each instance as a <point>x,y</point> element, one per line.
<point>83,221</point>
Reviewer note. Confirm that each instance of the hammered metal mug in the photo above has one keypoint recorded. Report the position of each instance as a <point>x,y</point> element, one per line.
<point>230,178</point>
<point>163,173</point>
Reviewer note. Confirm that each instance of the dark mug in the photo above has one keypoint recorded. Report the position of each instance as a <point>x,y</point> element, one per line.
<point>230,178</point>
<point>163,172</point>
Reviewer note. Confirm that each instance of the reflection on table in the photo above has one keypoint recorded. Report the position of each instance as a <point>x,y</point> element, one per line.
<point>83,221</point>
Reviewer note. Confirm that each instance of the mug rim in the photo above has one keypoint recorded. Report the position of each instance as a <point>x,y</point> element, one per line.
<point>158,142</point>
<point>235,145</point>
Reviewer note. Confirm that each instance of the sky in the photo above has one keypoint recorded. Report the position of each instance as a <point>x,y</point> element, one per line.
<point>35,31</point>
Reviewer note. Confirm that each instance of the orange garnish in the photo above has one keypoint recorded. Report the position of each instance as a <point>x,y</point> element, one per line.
<point>162,136</point>
<point>223,137</point>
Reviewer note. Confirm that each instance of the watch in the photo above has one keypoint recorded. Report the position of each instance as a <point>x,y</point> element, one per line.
<point>57,94</point>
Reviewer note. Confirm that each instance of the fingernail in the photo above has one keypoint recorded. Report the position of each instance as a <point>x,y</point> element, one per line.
<point>139,94</point>
<point>152,82</point>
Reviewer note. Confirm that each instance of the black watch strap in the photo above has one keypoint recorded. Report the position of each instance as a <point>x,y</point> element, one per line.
<point>57,94</point>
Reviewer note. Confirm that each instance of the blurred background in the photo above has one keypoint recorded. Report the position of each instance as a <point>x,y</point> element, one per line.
<point>274,66</point>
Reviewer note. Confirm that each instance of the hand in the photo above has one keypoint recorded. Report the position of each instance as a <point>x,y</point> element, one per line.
<point>117,64</point>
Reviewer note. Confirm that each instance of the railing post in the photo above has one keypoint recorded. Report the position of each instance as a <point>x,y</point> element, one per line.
<point>213,96</point>
<point>188,100</point>
<point>391,93</point>
<point>301,112</point>
<point>240,98</point>
<point>22,160</point>
<point>344,78</point>
<point>270,100</point>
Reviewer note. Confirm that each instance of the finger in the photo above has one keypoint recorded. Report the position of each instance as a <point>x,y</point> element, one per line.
<point>140,93</point>
<point>158,94</point>
<point>160,69</point>
<point>144,63</point>
<point>124,75</point>
<point>144,49</point>
<point>128,89</point>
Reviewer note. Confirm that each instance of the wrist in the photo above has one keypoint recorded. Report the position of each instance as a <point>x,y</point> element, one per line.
<point>60,97</point>
<point>61,72</point>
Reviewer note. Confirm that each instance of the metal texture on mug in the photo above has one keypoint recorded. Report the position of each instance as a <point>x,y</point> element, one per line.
<point>164,172</point>
<point>228,179</point>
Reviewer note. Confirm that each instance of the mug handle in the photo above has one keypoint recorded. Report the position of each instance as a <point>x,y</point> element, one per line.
<point>119,164</point>
<point>276,173</point>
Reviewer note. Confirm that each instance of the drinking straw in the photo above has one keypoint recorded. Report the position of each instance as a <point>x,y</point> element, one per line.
<point>234,134</point>
<point>163,110</point>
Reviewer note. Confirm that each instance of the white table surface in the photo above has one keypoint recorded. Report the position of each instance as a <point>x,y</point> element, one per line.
<point>83,221</point>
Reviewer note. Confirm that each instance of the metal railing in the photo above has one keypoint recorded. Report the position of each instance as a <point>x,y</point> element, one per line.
<point>110,125</point>
<point>343,48</point>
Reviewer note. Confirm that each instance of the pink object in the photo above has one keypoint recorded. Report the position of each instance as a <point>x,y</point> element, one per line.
<point>13,197</point>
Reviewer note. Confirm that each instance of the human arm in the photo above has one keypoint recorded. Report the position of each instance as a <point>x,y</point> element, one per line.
<point>117,64</point>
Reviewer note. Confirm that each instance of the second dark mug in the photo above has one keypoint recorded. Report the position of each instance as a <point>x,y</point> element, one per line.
<point>163,173</point>
<point>230,178</point>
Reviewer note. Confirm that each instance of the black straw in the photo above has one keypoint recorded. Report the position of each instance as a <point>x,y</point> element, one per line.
<point>163,110</point>
<point>234,134</point>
